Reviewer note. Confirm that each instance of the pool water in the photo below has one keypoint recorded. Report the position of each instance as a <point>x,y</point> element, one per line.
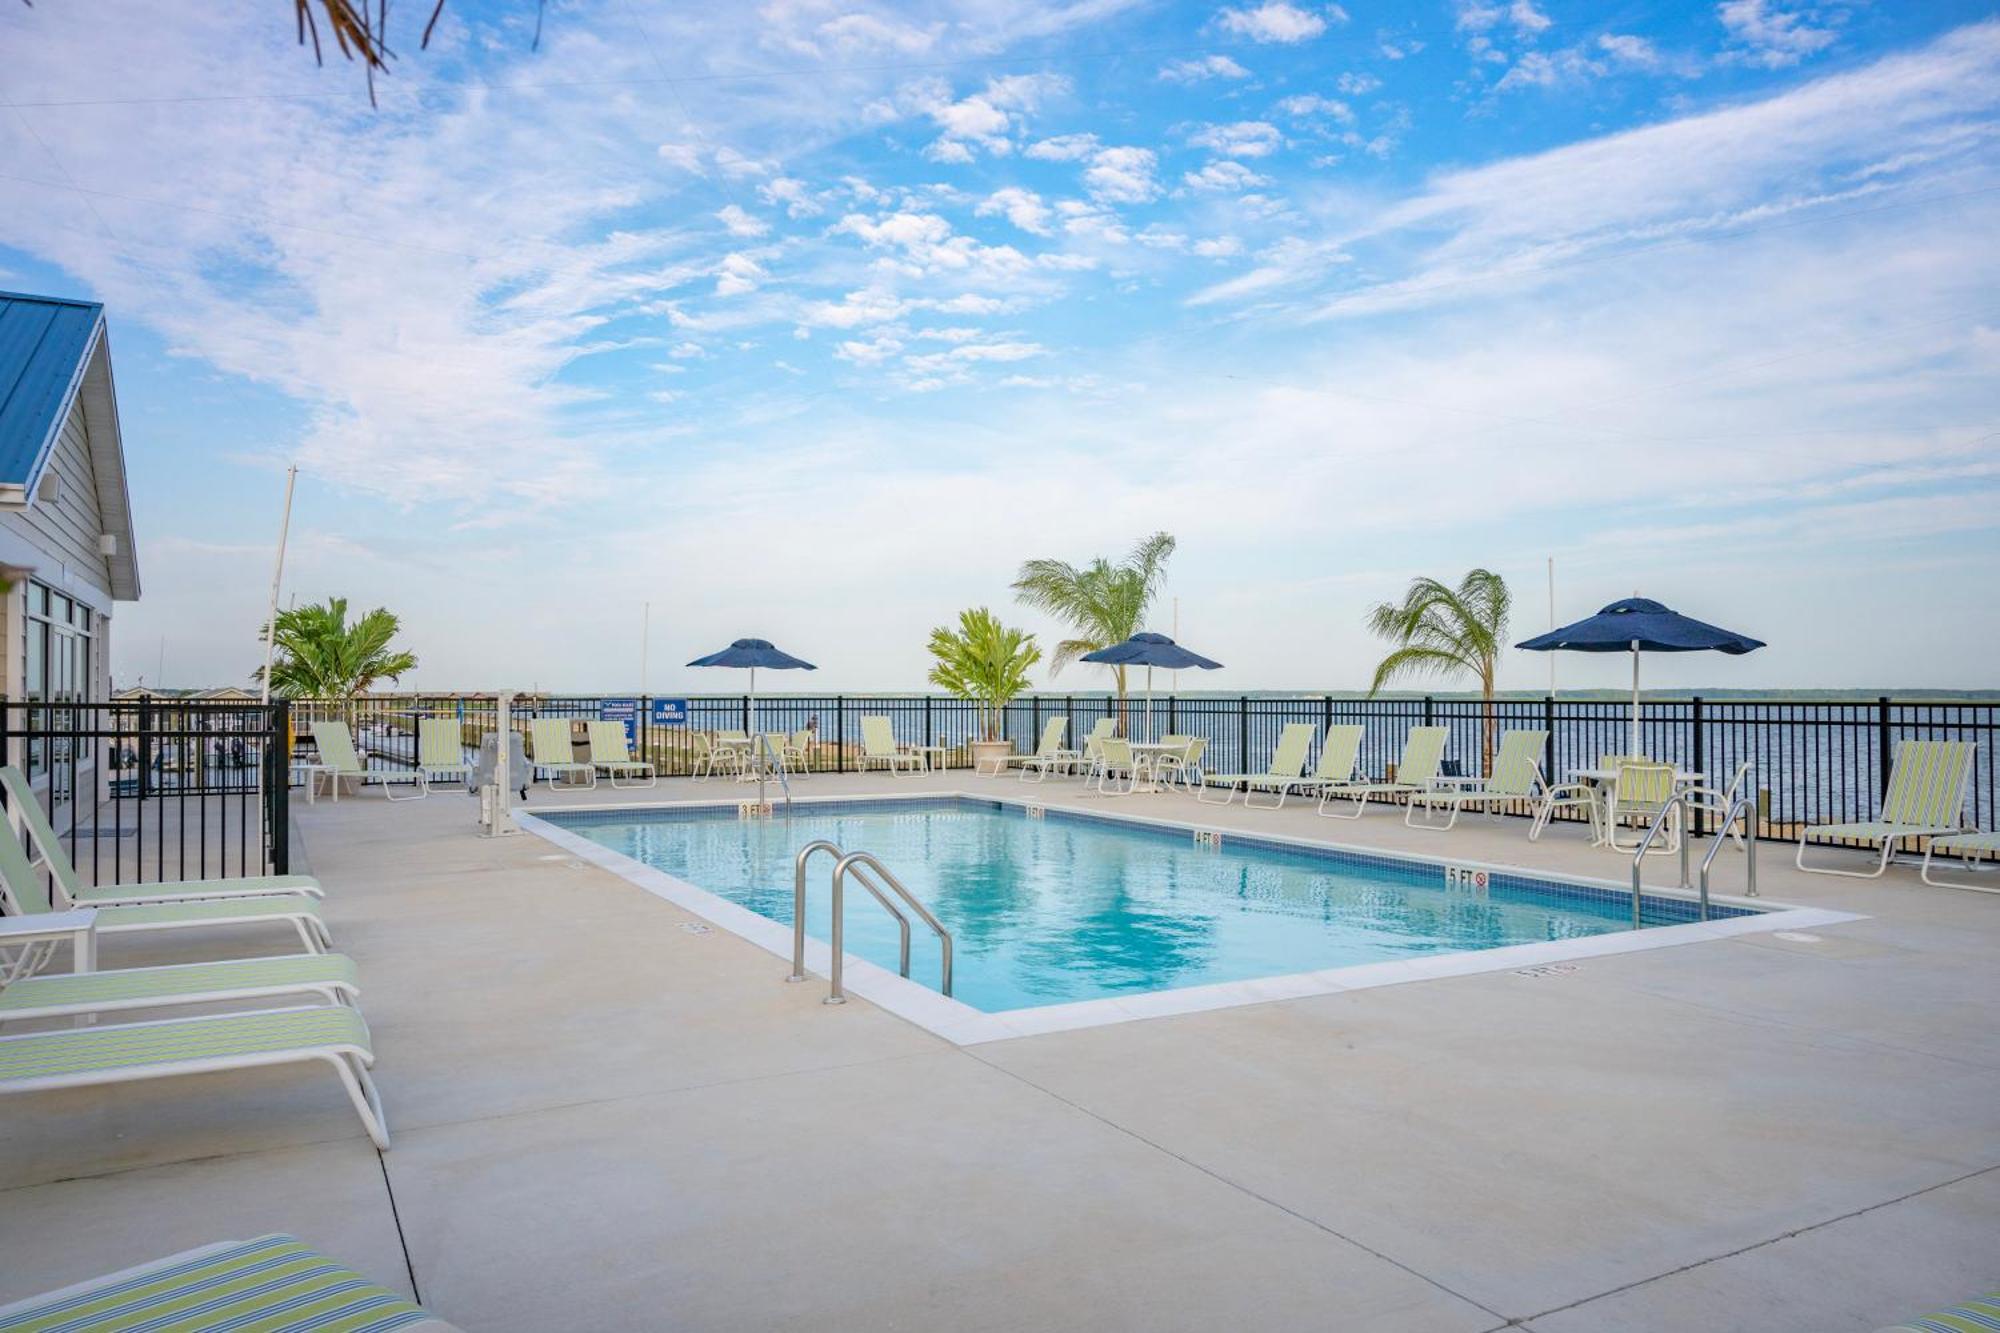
<point>1060,908</point>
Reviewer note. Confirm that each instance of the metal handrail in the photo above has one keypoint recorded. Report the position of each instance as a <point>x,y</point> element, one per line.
<point>1678,801</point>
<point>1745,807</point>
<point>777,761</point>
<point>799,907</point>
<point>836,995</point>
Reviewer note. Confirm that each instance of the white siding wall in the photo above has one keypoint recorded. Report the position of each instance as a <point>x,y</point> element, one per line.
<point>68,528</point>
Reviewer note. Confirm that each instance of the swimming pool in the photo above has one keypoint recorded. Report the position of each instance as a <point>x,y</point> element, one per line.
<point>1060,908</point>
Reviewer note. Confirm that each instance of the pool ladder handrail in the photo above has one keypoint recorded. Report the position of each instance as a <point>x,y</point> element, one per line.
<point>1740,806</point>
<point>866,867</point>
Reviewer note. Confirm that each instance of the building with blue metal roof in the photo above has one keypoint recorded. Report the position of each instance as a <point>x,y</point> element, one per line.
<point>66,547</point>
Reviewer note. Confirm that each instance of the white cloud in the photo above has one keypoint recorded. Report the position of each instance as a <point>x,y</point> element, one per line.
<point>1484,15</point>
<point>1306,106</point>
<point>737,274</point>
<point>1202,69</point>
<point>1063,148</point>
<point>1023,208</point>
<point>1245,138</point>
<point>1223,176</point>
<point>1774,34</point>
<point>1218,247</point>
<point>1630,50</point>
<point>1357,85</point>
<point>985,120</point>
<point>1123,175</point>
<point>792,194</point>
<point>1273,21</point>
<point>685,156</point>
<point>741,223</point>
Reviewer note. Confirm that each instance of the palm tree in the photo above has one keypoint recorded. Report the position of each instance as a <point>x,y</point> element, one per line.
<point>984,661</point>
<point>321,656</point>
<point>1442,631</point>
<point>1102,603</point>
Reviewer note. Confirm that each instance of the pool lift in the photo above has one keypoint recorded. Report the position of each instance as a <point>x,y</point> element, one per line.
<point>875,877</point>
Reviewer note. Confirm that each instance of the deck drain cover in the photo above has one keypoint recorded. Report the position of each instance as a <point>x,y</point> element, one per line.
<point>1546,970</point>
<point>1798,937</point>
<point>694,928</point>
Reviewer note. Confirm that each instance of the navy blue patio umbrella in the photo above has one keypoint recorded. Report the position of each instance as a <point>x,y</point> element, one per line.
<point>1640,625</point>
<point>1149,651</point>
<point>753,653</point>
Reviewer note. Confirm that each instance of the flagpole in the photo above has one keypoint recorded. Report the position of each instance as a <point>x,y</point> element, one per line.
<point>278,580</point>
<point>1552,624</point>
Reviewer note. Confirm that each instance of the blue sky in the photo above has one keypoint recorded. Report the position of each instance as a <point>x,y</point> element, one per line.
<point>813,319</point>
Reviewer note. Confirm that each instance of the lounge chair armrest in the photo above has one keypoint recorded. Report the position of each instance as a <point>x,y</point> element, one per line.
<point>47,925</point>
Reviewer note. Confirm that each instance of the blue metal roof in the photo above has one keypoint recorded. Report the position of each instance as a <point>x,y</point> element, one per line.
<point>44,341</point>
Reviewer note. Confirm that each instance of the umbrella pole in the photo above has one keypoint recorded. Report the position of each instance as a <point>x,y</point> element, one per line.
<point>1633,749</point>
<point>1152,732</point>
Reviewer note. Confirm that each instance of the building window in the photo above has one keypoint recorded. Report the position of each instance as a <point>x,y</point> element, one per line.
<point>58,649</point>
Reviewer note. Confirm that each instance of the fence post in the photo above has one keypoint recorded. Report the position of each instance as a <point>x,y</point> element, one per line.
<point>278,785</point>
<point>927,719</point>
<point>1242,734</point>
<point>1430,710</point>
<point>839,734</point>
<point>1884,751</point>
<point>1699,763</point>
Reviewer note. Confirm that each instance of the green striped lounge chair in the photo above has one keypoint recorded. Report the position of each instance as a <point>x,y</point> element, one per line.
<point>610,753</point>
<point>555,754</point>
<point>1339,756</point>
<point>1416,774</point>
<point>1977,1316</point>
<point>326,976</point>
<point>24,892</point>
<point>1969,848</point>
<point>441,750</point>
<point>1287,770</point>
<point>211,1043</point>
<point>1925,799</point>
<point>255,1286</point>
<point>1517,779</point>
<point>1048,753</point>
<point>43,840</point>
<point>339,759</point>
<point>878,747</point>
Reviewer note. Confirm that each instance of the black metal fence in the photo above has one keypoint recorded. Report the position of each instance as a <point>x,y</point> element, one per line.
<point>155,788</point>
<point>1816,761</point>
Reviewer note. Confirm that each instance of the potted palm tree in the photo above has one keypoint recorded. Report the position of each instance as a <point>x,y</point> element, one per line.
<point>987,663</point>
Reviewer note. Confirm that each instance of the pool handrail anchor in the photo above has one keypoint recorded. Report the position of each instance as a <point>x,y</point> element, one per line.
<point>799,907</point>
<point>869,862</point>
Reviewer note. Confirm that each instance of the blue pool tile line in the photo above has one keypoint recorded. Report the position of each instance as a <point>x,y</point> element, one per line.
<point>1511,885</point>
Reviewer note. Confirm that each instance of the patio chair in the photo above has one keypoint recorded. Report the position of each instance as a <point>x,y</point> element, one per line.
<point>1115,759</point>
<point>1416,773</point>
<point>1182,767</point>
<point>162,1048</point>
<point>555,752</point>
<point>1288,765</point>
<point>1517,778</point>
<point>1587,796</point>
<point>610,752</point>
<point>797,752</point>
<point>270,1282</point>
<point>441,750</point>
<point>43,840</point>
<point>23,892</point>
<point>1721,803</point>
<point>1967,847</point>
<point>40,994</point>
<point>1638,795</point>
<point>338,759</point>
<point>1084,759</point>
<point>1339,754</point>
<point>1925,799</point>
<point>712,757</point>
<point>1048,753</point>
<point>878,746</point>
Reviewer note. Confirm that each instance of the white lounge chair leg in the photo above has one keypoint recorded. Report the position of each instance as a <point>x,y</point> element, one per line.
<point>367,1101</point>
<point>1888,855</point>
<point>1971,868</point>
<point>1329,806</point>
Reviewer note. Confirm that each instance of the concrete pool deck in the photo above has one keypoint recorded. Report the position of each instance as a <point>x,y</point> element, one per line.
<point>604,1119</point>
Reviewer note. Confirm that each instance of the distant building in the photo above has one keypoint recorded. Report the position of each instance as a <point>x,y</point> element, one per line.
<point>66,544</point>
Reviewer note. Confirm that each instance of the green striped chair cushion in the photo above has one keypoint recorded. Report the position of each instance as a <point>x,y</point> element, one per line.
<point>132,1046</point>
<point>1980,1316</point>
<point>1927,784</point>
<point>1968,844</point>
<point>188,888</point>
<point>237,909</point>
<point>139,983</point>
<point>256,1286</point>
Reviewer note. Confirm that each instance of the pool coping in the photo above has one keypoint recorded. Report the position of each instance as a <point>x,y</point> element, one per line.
<point>963,1025</point>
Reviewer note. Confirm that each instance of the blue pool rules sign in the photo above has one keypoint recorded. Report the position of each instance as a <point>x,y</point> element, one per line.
<point>621,710</point>
<point>670,712</point>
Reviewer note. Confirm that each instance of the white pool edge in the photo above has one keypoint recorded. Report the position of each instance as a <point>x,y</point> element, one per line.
<point>962,1025</point>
